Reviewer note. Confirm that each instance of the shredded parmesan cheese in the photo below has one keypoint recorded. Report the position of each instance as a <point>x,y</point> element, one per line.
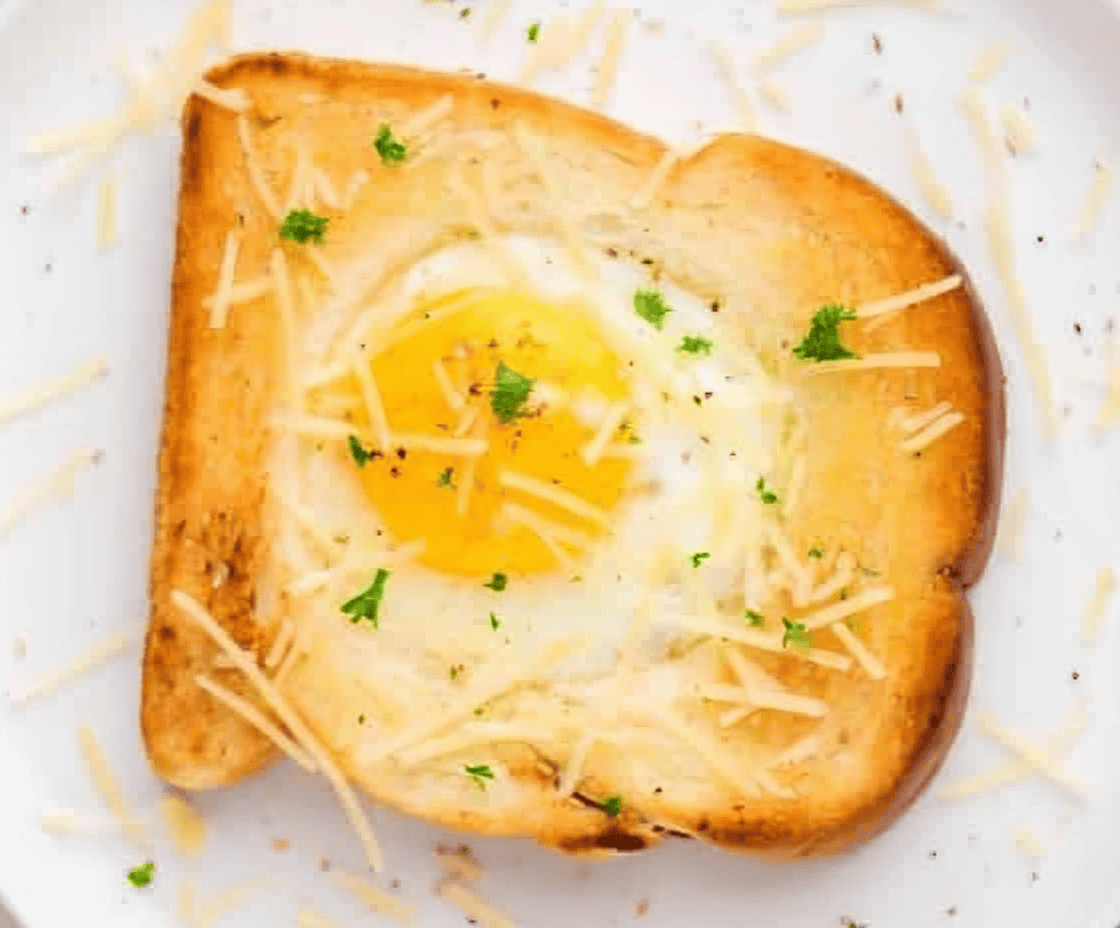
<point>542,489</point>
<point>764,699</point>
<point>244,293</point>
<point>794,41</point>
<point>887,359</point>
<point>194,610</point>
<point>427,118</point>
<point>847,607</point>
<point>474,908</point>
<point>1103,592</point>
<point>54,389</point>
<point>542,526</point>
<point>325,189</point>
<point>185,908</point>
<point>454,398</point>
<point>57,485</point>
<point>989,62</point>
<point>459,864</point>
<point>1020,768</point>
<point>185,825</point>
<point>258,720</point>
<point>845,573</point>
<point>1039,760</point>
<point>656,179</point>
<point>236,100</point>
<point>918,421</point>
<point>999,239</point>
<point>61,823</point>
<point>592,452</point>
<point>1028,841</point>
<point>219,310</point>
<point>935,193</point>
<point>577,762</point>
<point>910,298</point>
<point>439,444</point>
<point>112,647</point>
<point>798,475</point>
<point>618,32</point>
<point>109,786</point>
<point>774,95</point>
<point>107,222</point>
<point>1021,136</point>
<point>466,486</point>
<point>871,665</point>
<point>1009,540</point>
<point>498,11</point>
<point>932,432</point>
<point>256,174</point>
<point>729,73</point>
<point>763,641</point>
<point>309,918</point>
<point>1094,203</point>
<point>377,900</point>
<point>371,397</point>
<point>280,644</point>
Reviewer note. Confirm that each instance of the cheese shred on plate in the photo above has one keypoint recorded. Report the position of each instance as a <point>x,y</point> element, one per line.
<point>796,40</point>
<point>185,825</point>
<point>247,664</point>
<point>618,33</point>
<point>109,785</point>
<point>729,74</point>
<point>474,908</point>
<point>377,900</point>
<point>53,389</point>
<point>1094,202</point>
<point>989,62</point>
<point>96,656</point>
<point>57,485</point>
<point>1103,590</point>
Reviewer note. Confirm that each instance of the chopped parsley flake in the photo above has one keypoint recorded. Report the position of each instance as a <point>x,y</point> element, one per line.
<point>446,479</point>
<point>822,343</point>
<point>143,875</point>
<point>480,773</point>
<point>534,32</point>
<point>796,635</point>
<point>755,618</point>
<point>303,226</point>
<point>769,497</point>
<point>495,621</point>
<point>699,557</point>
<point>497,582</point>
<point>695,344</point>
<point>510,394</point>
<point>612,806</point>
<point>391,149</point>
<point>651,306</point>
<point>816,551</point>
<point>697,400</point>
<point>366,604</point>
<point>357,452</point>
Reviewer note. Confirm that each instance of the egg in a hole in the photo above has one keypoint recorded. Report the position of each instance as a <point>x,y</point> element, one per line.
<point>540,478</point>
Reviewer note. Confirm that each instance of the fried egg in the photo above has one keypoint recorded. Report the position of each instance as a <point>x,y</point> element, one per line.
<point>547,466</point>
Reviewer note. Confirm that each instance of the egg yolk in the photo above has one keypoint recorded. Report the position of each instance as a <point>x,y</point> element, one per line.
<point>462,339</point>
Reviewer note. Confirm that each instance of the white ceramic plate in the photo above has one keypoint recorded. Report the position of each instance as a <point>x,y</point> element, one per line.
<point>76,572</point>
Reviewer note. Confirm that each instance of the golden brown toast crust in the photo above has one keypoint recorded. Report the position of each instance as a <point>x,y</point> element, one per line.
<point>848,242</point>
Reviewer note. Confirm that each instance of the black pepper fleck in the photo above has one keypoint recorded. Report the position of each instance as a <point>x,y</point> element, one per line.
<point>25,210</point>
<point>402,453</point>
<point>1077,327</point>
<point>395,471</point>
<point>1075,676</point>
<point>876,43</point>
<point>899,106</point>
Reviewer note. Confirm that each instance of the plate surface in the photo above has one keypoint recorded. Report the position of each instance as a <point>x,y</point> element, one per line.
<point>76,572</point>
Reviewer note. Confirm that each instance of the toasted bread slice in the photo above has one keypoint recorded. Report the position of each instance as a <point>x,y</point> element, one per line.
<point>768,234</point>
